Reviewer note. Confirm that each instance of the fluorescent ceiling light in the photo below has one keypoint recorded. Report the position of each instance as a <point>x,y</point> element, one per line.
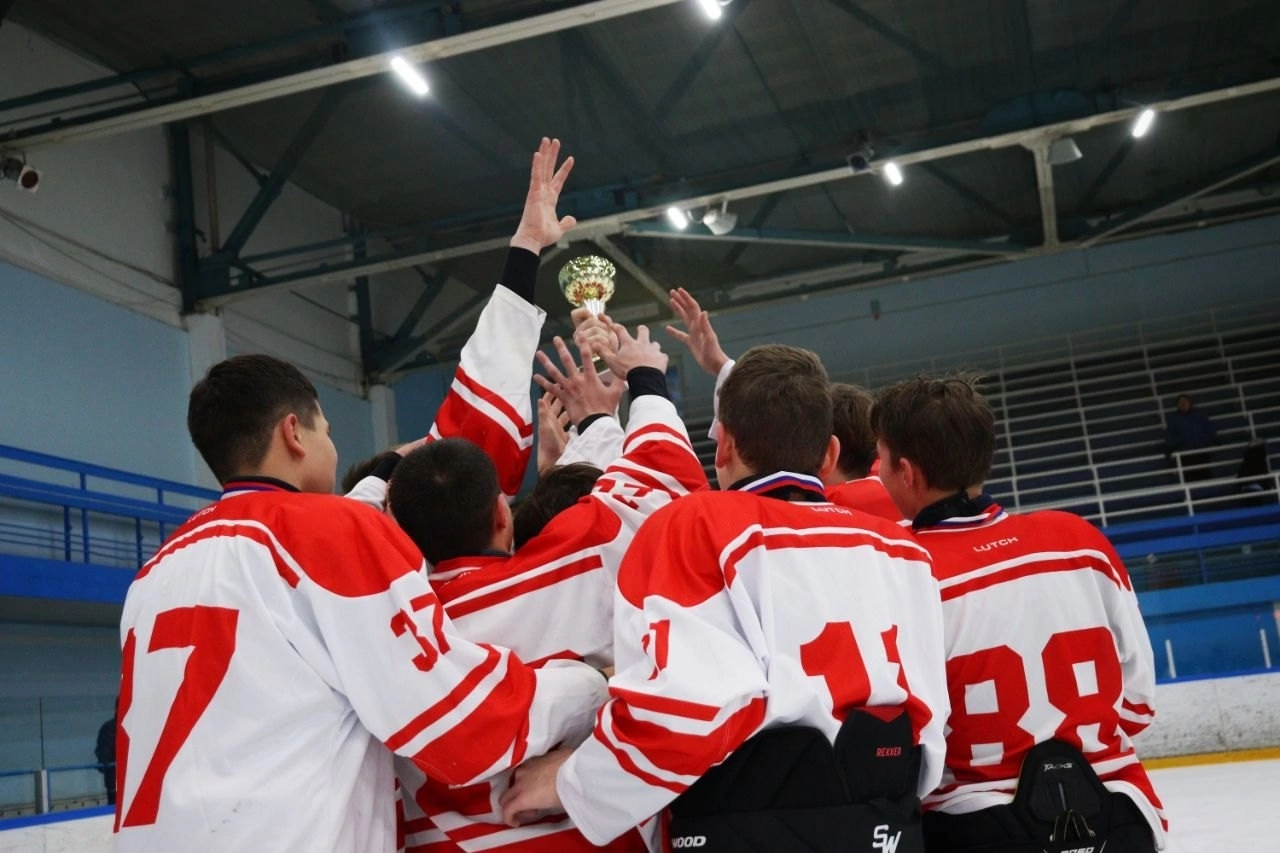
<point>1143,123</point>
<point>410,76</point>
<point>712,8</point>
<point>892,173</point>
<point>678,217</point>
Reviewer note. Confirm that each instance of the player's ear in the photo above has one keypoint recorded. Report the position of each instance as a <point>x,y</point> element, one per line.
<point>288,429</point>
<point>829,459</point>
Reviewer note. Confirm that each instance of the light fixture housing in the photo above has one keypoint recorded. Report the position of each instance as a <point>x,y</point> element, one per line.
<point>16,170</point>
<point>410,76</point>
<point>892,173</point>
<point>720,221</point>
<point>677,217</point>
<point>1142,124</point>
<point>1063,150</point>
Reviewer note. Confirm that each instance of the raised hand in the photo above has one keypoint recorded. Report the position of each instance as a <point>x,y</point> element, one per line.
<point>553,421</point>
<point>539,226</point>
<point>700,338</point>
<point>595,332</point>
<point>634,352</point>
<point>580,390</point>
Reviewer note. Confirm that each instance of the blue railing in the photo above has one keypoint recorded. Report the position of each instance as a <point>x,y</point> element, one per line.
<point>63,509</point>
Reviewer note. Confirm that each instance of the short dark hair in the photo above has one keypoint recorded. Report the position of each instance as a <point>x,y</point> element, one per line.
<point>944,426</point>
<point>234,408</point>
<point>851,423</point>
<point>557,490</point>
<point>362,469</point>
<point>443,496</point>
<point>776,404</point>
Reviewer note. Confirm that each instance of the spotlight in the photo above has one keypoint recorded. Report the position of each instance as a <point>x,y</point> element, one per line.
<point>893,174</point>
<point>860,159</point>
<point>13,169</point>
<point>711,8</point>
<point>1143,123</point>
<point>1063,151</point>
<point>677,217</point>
<point>410,76</point>
<point>720,222</point>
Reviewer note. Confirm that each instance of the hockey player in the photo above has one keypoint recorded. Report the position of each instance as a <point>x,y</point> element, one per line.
<point>283,636</point>
<point>851,482</point>
<point>1048,662</point>
<point>553,598</point>
<point>780,679</point>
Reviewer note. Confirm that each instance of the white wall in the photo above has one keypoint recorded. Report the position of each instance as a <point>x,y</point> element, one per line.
<point>99,220</point>
<point>1214,715</point>
<point>101,223</point>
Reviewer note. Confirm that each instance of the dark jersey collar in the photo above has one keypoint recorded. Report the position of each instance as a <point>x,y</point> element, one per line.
<point>783,485</point>
<point>956,510</point>
<point>256,484</point>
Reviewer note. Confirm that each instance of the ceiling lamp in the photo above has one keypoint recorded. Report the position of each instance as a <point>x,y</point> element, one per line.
<point>410,76</point>
<point>677,217</point>
<point>1063,151</point>
<point>1143,123</point>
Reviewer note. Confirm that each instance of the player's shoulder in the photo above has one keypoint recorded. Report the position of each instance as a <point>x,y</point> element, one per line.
<point>1064,527</point>
<point>343,545</point>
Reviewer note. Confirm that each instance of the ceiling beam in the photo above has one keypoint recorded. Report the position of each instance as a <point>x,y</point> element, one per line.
<point>1183,195</point>
<point>617,222</point>
<point>628,264</point>
<point>1048,199</point>
<point>96,126</point>
<point>825,239</point>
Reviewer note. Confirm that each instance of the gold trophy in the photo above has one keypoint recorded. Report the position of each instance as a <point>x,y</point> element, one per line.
<point>587,282</point>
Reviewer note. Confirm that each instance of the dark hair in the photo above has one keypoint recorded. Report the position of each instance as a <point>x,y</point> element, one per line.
<point>944,426</point>
<point>234,408</point>
<point>557,490</point>
<point>362,469</point>
<point>776,404</point>
<point>443,496</point>
<point>851,423</point>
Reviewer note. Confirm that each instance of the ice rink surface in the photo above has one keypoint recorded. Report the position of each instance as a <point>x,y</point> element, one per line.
<point>1212,808</point>
<point>1231,807</point>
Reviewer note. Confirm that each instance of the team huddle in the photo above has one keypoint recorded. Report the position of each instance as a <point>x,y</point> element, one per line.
<point>847,646</point>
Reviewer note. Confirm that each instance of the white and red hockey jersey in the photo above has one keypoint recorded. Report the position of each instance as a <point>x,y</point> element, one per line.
<point>489,402</point>
<point>277,649</point>
<point>1044,640</point>
<point>866,494</point>
<point>738,611</point>
<point>552,600</point>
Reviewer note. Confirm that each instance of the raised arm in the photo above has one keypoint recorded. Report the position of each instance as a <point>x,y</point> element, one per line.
<point>488,402</point>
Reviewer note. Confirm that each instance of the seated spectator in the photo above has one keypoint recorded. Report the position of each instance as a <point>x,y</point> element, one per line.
<point>1188,428</point>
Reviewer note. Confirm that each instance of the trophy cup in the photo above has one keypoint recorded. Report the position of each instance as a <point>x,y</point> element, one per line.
<point>587,282</point>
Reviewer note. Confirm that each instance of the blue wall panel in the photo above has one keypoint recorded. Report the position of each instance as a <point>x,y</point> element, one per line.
<point>92,381</point>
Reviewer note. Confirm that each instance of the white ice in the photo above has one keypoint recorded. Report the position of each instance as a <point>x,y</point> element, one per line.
<point>1222,808</point>
<point>1212,808</point>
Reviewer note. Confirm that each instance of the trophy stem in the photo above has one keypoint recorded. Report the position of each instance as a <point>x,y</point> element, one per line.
<point>595,306</point>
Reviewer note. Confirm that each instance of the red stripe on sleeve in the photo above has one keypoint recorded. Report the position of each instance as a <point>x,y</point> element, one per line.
<point>664,705</point>
<point>463,689</point>
<point>687,754</point>
<point>459,608</point>
<point>523,427</point>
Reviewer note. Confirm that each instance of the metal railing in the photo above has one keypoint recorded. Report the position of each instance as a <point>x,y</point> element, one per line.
<point>1087,412</point>
<point>75,511</point>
